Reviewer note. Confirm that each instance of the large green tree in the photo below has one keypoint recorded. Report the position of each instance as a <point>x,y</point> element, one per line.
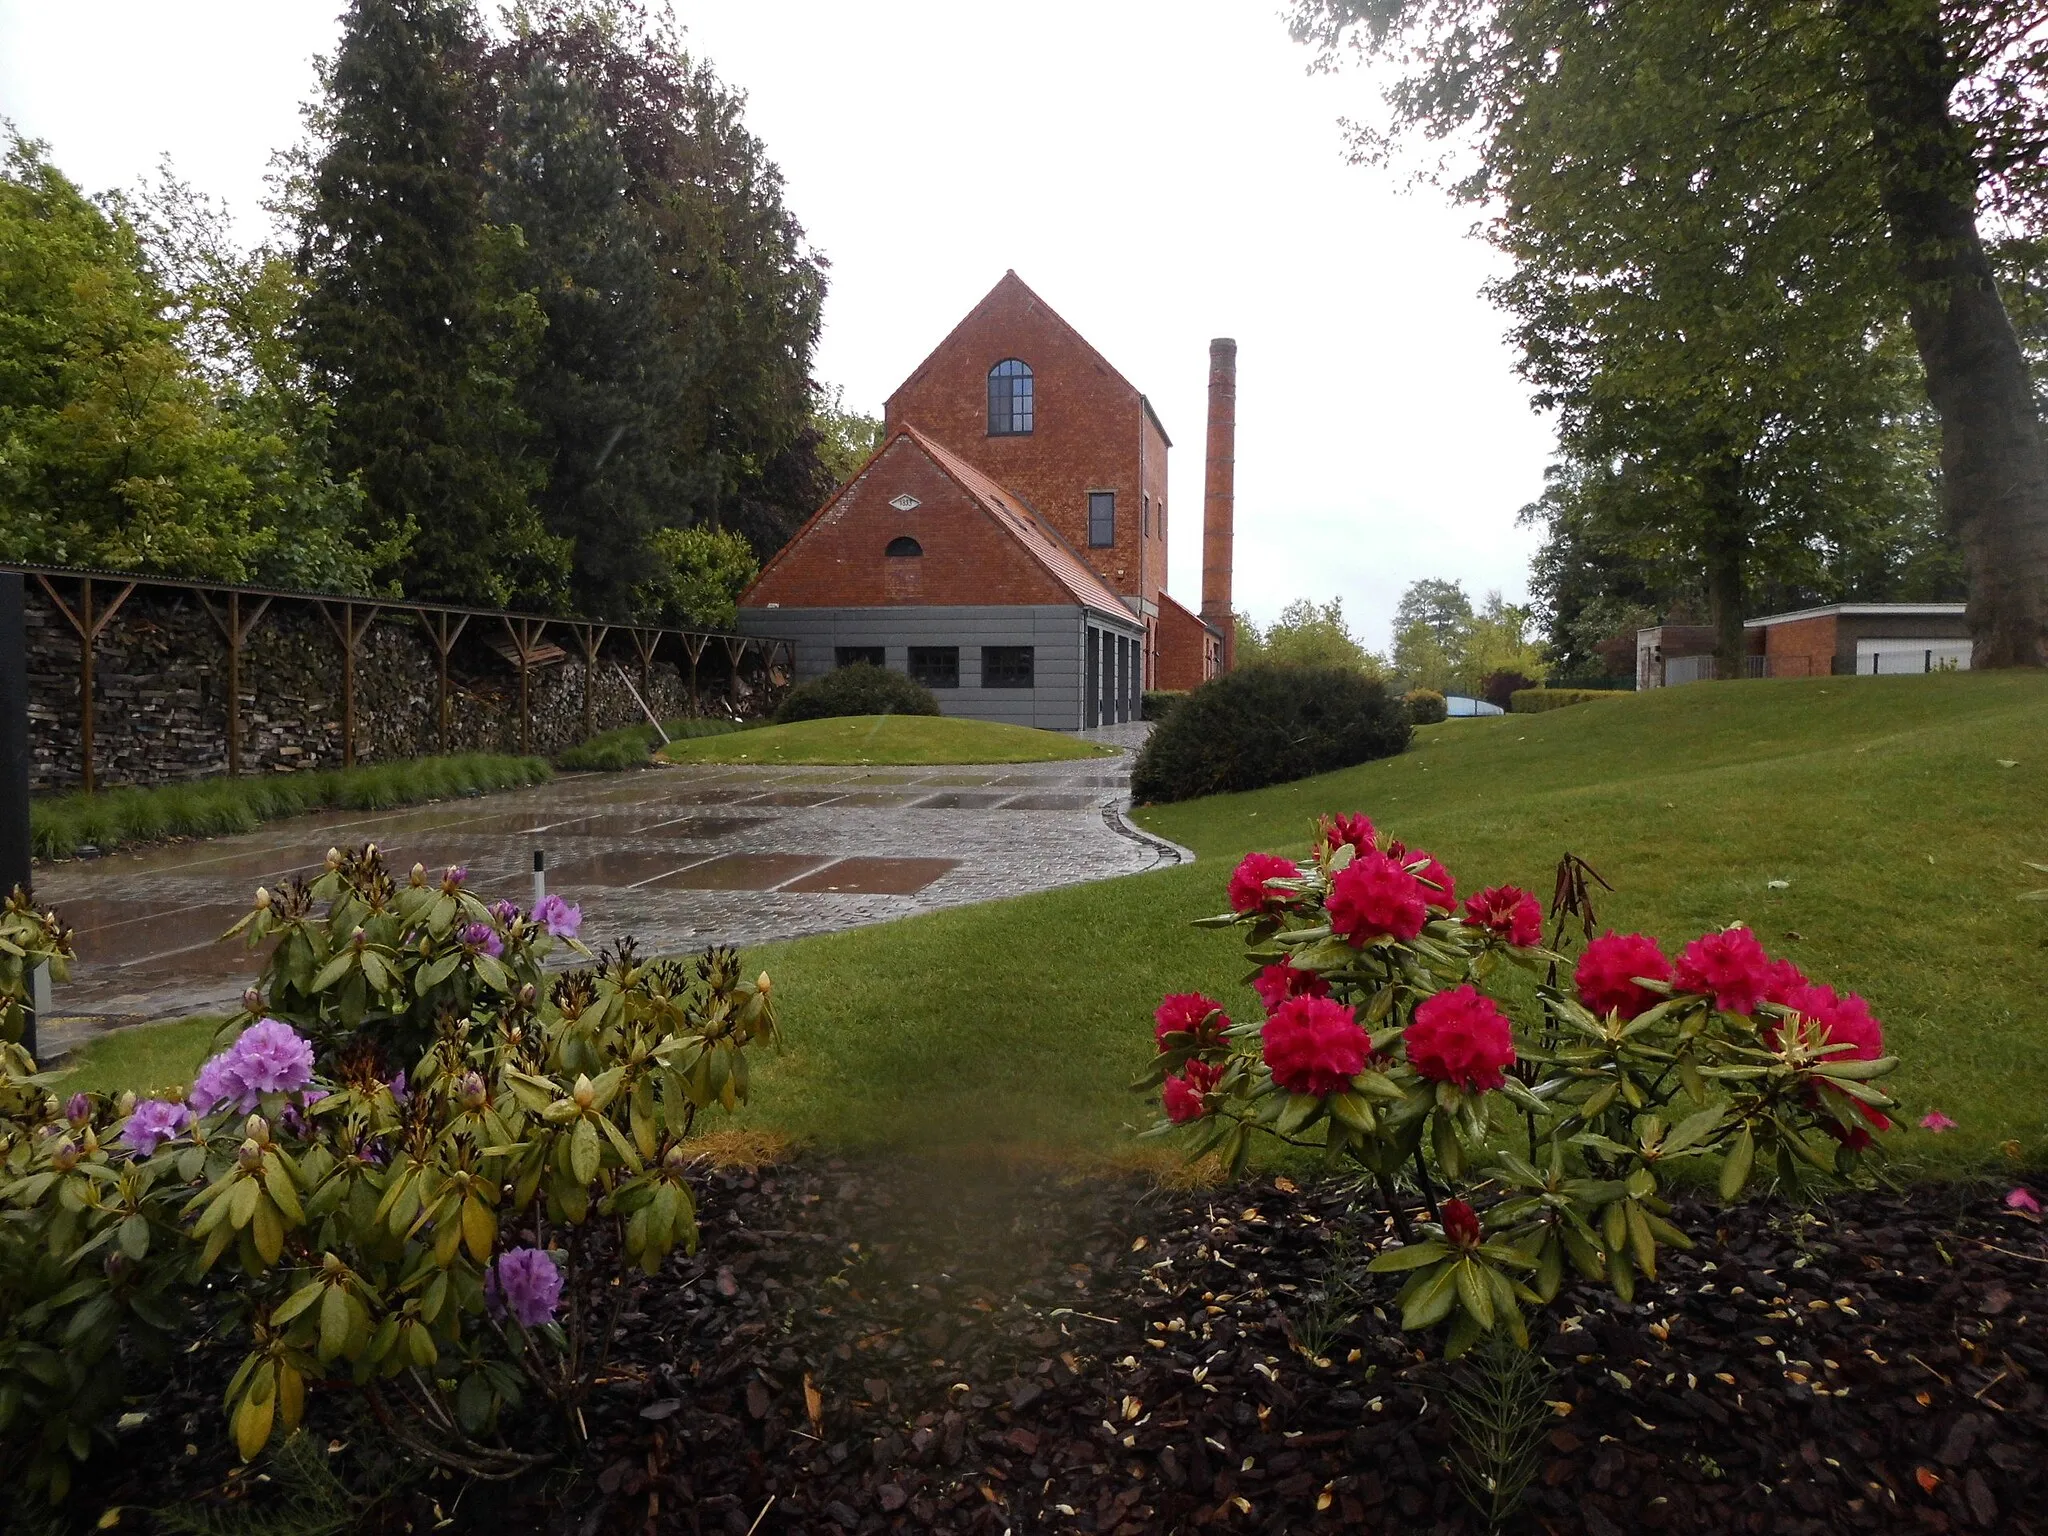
<point>413,322</point>
<point>1716,209</point>
<point>121,446</point>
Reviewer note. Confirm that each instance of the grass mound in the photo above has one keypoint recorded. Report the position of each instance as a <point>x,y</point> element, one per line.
<point>60,825</point>
<point>632,746</point>
<point>904,740</point>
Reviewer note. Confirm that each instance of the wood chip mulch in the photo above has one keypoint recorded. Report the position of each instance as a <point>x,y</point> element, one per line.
<point>892,1346</point>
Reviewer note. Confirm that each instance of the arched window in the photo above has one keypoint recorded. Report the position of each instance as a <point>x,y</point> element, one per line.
<point>1009,399</point>
<point>903,548</point>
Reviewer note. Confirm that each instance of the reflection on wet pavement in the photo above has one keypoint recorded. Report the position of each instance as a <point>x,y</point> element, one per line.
<point>679,857</point>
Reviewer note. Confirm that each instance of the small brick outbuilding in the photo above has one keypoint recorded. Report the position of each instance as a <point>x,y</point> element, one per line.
<point>1007,543</point>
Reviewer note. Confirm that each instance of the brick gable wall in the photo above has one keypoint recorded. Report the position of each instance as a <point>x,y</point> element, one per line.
<point>1188,653</point>
<point>1091,430</point>
<point>838,560</point>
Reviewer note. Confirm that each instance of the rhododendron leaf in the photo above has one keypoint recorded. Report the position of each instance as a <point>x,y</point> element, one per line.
<point>1640,1242</point>
<point>1353,1111</point>
<point>1666,1233</point>
<point>242,1201</point>
<point>491,972</point>
<point>1411,1256</point>
<point>1641,1182</point>
<point>1735,1168</point>
<point>267,1228</point>
<point>1435,1292</point>
<point>1549,1270</point>
<point>1223,920</point>
<point>585,1152</point>
<point>1463,1335</point>
<point>1620,1275</point>
<point>1692,1130</point>
<point>253,1419</point>
<point>291,1397</point>
<point>1475,1293</point>
<point>1444,1142</point>
<point>277,1183</point>
<point>336,1323</point>
<point>333,971</point>
<point>1597,1101</point>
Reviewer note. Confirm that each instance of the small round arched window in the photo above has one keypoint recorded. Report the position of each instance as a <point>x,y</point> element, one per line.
<point>903,548</point>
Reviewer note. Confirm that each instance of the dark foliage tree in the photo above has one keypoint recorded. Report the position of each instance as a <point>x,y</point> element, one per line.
<point>412,322</point>
<point>1772,181</point>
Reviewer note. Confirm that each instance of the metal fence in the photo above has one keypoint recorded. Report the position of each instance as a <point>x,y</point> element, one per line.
<point>1703,669</point>
<point>89,600</point>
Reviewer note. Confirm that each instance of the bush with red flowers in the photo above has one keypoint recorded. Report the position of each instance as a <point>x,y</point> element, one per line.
<point>1535,1125</point>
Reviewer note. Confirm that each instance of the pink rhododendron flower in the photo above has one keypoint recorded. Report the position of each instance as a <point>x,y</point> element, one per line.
<point>1508,912</point>
<point>1315,1045</point>
<point>1187,1013</point>
<point>1937,1122</point>
<point>1461,1224</point>
<point>154,1122</point>
<point>1439,890</point>
<point>1729,966</point>
<point>1248,892</point>
<point>1460,1037</point>
<point>2022,1199</point>
<point>1607,971</point>
<point>1781,979</point>
<point>526,1283</point>
<point>1841,1020</point>
<point>1277,983</point>
<point>1183,1095</point>
<point>1347,830</point>
<point>1374,897</point>
<point>558,917</point>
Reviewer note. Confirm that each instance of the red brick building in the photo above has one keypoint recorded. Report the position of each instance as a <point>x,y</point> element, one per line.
<point>1029,475</point>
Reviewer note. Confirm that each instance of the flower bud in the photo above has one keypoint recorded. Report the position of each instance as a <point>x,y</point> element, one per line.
<point>419,875</point>
<point>584,1094</point>
<point>249,1155</point>
<point>1461,1224</point>
<point>333,860</point>
<point>78,1109</point>
<point>257,1129</point>
<point>677,1159</point>
<point>473,1091</point>
<point>528,995</point>
<point>263,895</point>
<point>124,1106</point>
<point>252,1000</point>
<point>763,985</point>
<point>65,1157</point>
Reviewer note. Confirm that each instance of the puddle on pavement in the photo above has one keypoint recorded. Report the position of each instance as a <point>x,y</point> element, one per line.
<point>958,801</point>
<point>91,914</point>
<point>115,942</point>
<point>794,797</point>
<point>656,824</point>
<point>961,779</point>
<point>741,872</point>
<point>1048,803</point>
<point>619,867</point>
<point>872,798</point>
<point>874,877</point>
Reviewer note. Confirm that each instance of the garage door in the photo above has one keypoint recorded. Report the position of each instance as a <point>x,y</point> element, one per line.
<point>1883,657</point>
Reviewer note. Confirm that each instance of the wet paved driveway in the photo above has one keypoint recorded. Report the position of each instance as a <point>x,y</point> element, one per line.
<point>679,857</point>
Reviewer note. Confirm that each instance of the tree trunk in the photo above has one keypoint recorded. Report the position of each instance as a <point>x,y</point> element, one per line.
<point>1994,453</point>
<point>1726,548</point>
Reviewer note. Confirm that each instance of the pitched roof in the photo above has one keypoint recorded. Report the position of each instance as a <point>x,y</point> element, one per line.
<point>1168,597</point>
<point>1010,280</point>
<point>1009,511</point>
<point>1018,518</point>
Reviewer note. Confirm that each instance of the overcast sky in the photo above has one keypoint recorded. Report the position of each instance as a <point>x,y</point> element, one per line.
<point>1161,171</point>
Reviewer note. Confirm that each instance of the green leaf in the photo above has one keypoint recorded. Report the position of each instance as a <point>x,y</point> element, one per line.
<point>1692,1130</point>
<point>1736,1165</point>
<point>335,1321</point>
<point>1432,1300</point>
<point>1474,1293</point>
<point>586,1154</point>
<point>1413,1256</point>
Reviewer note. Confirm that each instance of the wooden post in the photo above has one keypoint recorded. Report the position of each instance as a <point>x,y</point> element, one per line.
<point>16,845</point>
<point>435,622</point>
<point>350,633</point>
<point>644,647</point>
<point>236,631</point>
<point>694,644</point>
<point>526,636</point>
<point>87,626</point>
<point>585,633</point>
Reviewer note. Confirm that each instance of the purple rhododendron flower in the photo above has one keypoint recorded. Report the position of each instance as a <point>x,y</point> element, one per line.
<point>558,917</point>
<point>455,874</point>
<point>294,1121</point>
<point>268,1057</point>
<point>506,912</point>
<point>401,1093</point>
<point>484,937</point>
<point>526,1283</point>
<point>154,1122</point>
<point>78,1109</point>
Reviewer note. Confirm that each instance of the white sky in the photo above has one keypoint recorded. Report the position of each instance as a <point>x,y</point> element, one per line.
<point>1161,171</point>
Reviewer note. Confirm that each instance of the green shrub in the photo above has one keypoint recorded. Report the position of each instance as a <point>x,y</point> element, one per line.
<point>62,824</point>
<point>1159,702</point>
<point>1425,706</point>
<point>632,746</point>
<point>1266,725</point>
<point>1534,701</point>
<point>412,1172</point>
<point>861,689</point>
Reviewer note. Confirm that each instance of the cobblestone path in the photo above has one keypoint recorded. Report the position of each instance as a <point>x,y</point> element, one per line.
<point>679,857</point>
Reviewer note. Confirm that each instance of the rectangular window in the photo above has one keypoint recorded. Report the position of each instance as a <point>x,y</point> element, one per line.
<point>1101,519</point>
<point>853,655</point>
<point>936,666</point>
<point>1006,666</point>
<point>1146,503</point>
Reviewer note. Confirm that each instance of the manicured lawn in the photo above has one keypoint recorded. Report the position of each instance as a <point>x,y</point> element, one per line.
<point>1885,805</point>
<point>902,740</point>
<point>156,1056</point>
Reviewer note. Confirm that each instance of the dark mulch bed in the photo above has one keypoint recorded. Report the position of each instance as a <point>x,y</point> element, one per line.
<point>1024,1351</point>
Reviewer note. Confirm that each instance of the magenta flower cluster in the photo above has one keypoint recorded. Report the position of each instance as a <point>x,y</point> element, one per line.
<point>526,1283</point>
<point>268,1057</point>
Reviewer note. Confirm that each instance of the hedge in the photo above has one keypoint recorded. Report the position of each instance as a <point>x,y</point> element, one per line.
<point>632,746</point>
<point>1159,702</point>
<point>861,689</point>
<point>1534,701</point>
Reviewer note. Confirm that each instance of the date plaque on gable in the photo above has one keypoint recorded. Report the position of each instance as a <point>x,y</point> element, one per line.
<point>905,503</point>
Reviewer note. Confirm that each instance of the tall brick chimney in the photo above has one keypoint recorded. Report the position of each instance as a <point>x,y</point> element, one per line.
<point>1218,495</point>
